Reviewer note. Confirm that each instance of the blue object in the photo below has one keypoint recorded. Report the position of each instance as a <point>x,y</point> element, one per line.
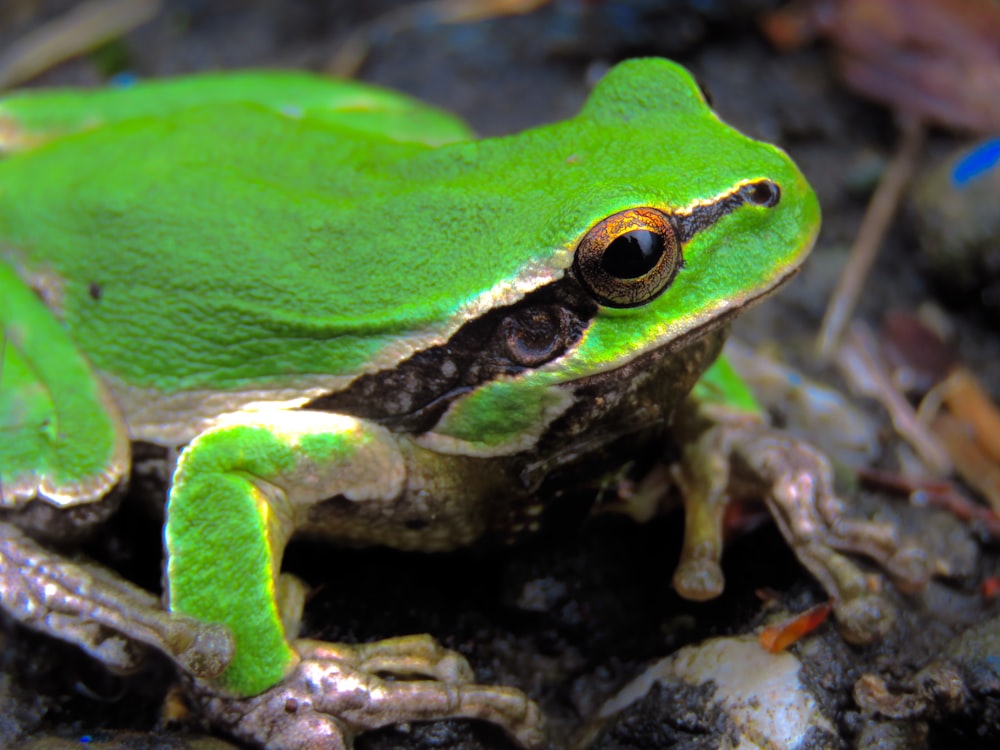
<point>981,159</point>
<point>123,80</point>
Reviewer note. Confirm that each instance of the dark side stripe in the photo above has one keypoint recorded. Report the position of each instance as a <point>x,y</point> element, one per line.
<point>506,341</point>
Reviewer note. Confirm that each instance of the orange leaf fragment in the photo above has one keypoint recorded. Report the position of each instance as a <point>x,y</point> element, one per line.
<point>990,587</point>
<point>776,638</point>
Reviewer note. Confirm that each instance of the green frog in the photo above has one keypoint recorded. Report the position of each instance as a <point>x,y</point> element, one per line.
<point>349,318</point>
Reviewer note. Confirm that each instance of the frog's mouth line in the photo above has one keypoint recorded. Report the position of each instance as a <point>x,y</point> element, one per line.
<point>412,396</point>
<point>715,320</point>
<point>665,379</point>
<point>719,319</point>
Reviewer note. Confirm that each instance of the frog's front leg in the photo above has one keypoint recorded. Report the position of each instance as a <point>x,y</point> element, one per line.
<point>736,453</point>
<point>239,492</point>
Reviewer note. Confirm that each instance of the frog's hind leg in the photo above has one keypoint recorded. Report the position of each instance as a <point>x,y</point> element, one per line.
<point>105,615</point>
<point>797,480</point>
<point>63,451</point>
<point>62,440</point>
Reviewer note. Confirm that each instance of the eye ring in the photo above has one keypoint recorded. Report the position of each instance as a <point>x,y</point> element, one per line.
<point>628,258</point>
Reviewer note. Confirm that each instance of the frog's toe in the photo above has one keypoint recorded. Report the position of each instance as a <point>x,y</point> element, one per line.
<point>279,719</point>
<point>405,656</point>
<point>311,732</point>
<point>864,619</point>
<point>327,699</point>
<point>699,580</point>
<point>910,568</point>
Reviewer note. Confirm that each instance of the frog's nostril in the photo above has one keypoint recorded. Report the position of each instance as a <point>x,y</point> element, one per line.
<point>764,193</point>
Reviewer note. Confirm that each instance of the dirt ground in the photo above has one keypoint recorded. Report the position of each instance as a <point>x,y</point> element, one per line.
<point>573,613</point>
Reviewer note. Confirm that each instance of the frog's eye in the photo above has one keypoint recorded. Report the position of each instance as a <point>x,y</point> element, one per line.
<point>628,258</point>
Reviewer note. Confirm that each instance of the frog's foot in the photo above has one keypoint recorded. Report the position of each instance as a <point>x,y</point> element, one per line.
<point>797,484</point>
<point>106,616</point>
<point>818,526</point>
<point>337,691</point>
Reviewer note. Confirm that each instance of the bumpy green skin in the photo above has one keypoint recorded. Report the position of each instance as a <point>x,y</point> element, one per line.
<point>721,384</point>
<point>199,243</point>
<point>229,228</point>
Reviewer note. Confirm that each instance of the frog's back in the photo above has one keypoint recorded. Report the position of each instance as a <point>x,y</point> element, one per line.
<point>30,117</point>
<point>233,246</point>
<point>219,244</point>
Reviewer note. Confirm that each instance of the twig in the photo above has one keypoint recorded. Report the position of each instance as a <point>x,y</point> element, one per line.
<point>880,211</point>
<point>351,53</point>
<point>83,28</point>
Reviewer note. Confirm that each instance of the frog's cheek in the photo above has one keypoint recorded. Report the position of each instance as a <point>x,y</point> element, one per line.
<point>501,418</point>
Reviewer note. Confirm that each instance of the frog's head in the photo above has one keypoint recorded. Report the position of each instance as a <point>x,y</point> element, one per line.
<point>656,224</point>
<point>696,224</point>
<point>677,223</point>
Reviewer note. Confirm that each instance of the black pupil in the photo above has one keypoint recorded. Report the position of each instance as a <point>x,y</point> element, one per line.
<point>632,255</point>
